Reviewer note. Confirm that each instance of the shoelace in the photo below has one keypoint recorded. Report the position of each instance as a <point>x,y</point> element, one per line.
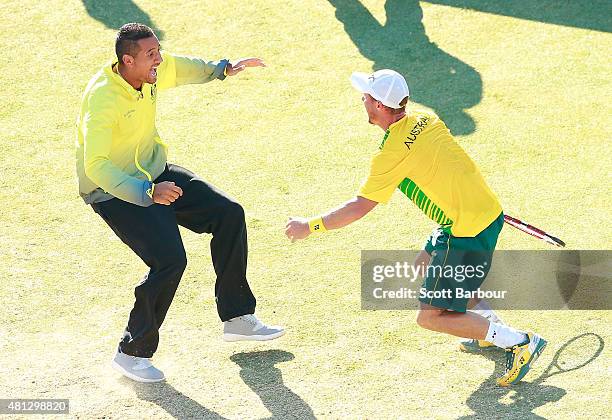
<point>142,363</point>
<point>251,319</point>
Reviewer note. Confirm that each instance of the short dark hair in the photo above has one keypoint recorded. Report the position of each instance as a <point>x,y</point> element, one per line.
<point>127,39</point>
<point>399,110</point>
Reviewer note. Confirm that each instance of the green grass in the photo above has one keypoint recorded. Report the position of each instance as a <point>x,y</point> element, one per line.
<point>529,97</point>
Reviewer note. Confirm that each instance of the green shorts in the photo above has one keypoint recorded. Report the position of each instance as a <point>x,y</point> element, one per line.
<point>458,266</point>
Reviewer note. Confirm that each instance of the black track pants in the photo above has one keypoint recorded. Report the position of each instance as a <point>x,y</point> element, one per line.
<point>152,233</point>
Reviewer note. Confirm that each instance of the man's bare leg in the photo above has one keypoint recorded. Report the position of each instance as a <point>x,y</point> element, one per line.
<point>472,302</point>
<point>466,325</point>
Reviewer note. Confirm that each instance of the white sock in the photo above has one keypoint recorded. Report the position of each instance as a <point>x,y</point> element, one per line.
<point>483,309</point>
<point>504,336</point>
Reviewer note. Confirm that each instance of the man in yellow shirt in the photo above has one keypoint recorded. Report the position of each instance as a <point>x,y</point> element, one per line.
<point>419,156</point>
<point>124,175</point>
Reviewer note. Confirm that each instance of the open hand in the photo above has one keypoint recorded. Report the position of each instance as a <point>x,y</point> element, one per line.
<point>237,67</point>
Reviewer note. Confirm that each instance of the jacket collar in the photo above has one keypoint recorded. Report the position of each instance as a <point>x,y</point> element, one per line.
<point>117,79</point>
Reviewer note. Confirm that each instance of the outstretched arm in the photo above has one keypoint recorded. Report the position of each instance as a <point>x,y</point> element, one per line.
<point>178,70</point>
<point>347,213</point>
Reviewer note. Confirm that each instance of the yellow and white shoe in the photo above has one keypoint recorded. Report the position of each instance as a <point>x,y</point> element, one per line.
<point>520,357</point>
<point>476,346</point>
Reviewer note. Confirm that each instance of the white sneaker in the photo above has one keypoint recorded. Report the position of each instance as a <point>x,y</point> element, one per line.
<point>138,369</point>
<point>248,327</point>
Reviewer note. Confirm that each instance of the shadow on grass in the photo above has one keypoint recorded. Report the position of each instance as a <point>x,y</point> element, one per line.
<point>115,13</point>
<point>594,14</point>
<point>174,402</point>
<point>527,396</point>
<point>436,79</point>
<point>258,371</point>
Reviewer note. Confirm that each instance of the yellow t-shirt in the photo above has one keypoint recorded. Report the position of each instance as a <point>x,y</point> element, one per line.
<point>419,156</point>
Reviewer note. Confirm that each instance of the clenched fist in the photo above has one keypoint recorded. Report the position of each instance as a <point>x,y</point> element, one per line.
<point>166,193</point>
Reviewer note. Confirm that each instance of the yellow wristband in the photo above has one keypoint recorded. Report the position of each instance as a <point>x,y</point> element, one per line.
<point>225,70</point>
<point>316,225</point>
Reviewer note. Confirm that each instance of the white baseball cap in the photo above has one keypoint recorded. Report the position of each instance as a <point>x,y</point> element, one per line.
<point>386,86</point>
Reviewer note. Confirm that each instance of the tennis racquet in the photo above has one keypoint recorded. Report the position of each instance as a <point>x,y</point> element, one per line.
<point>533,231</point>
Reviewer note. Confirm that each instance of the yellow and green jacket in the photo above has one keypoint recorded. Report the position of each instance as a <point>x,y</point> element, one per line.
<point>119,151</point>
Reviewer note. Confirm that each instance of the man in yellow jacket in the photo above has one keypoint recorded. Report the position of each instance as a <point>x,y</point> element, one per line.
<point>123,174</point>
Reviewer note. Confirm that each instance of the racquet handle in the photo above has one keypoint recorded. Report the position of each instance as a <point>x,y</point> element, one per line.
<point>533,231</point>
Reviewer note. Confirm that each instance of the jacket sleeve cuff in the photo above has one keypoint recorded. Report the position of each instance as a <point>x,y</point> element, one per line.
<point>147,193</point>
<point>219,72</point>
